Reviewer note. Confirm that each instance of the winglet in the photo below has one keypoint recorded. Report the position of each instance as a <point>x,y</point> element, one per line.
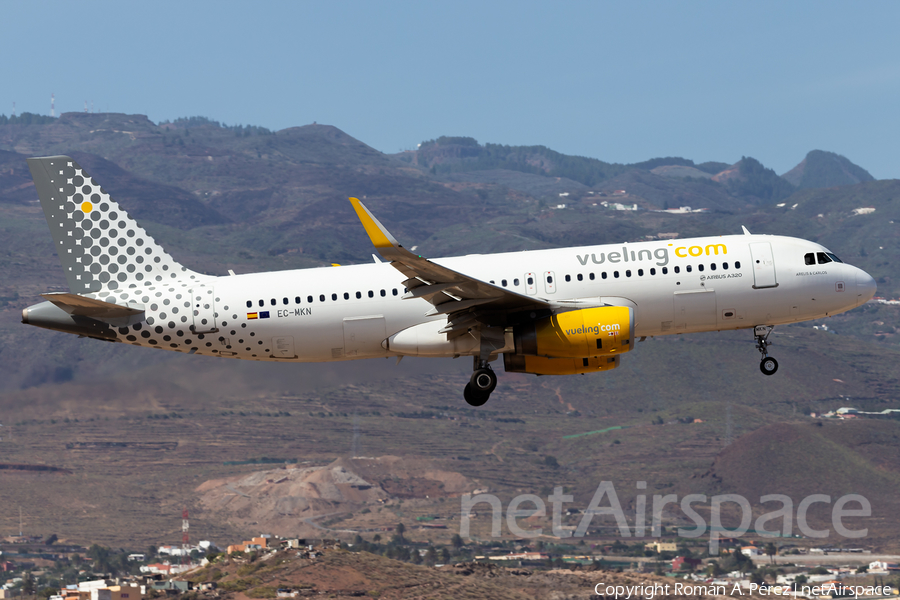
<point>381,237</point>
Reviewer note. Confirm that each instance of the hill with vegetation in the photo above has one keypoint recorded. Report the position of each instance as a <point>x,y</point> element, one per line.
<point>822,169</point>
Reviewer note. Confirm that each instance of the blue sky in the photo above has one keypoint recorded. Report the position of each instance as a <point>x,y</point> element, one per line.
<point>618,81</point>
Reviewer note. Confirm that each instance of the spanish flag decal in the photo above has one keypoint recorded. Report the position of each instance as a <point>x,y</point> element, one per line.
<point>252,316</point>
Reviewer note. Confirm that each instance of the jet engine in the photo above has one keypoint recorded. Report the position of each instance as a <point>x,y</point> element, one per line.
<point>585,333</point>
<point>576,341</point>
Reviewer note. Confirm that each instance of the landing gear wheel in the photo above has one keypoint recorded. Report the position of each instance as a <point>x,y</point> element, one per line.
<point>483,381</point>
<point>768,366</point>
<point>473,397</point>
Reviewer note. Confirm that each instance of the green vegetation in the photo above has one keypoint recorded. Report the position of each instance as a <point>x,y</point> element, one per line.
<point>26,118</point>
<point>756,180</point>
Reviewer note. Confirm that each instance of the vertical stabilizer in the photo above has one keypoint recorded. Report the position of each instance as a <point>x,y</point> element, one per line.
<point>100,247</point>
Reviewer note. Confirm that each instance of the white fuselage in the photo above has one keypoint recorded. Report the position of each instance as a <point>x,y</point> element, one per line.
<point>341,313</point>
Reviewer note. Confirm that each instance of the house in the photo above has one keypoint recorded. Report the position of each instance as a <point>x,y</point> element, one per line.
<point>750,551</point>
<point>662,547</point>
<point>684,563</point>
<point>880,566</point>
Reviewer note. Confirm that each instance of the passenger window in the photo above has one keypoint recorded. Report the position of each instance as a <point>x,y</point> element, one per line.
<point>640,272</point>
<point>309,299</point>
<point>822,258</point>
<point>810,258</point>
<point>334,297</point>
<point>603,275</point>
<point>580,277</point>
<point>297,300</point>
<point>628,273</point>
<point>249,303</point>
<point>737,264</point>
<point>568,278</point>
<point>725,266</point>
<point>383,293</point>
<point>516,281</point>
<point>712,266</point>
<point>616,274</point>
<point>652,271</point>
<point>700,267</point>
<point>677,269</point>
<point>492,282</point>
<point>503,282</point>
<point>665,271</point>
<point>346,296</point>
<point>530,281</point>
<point>358,295</point>
<point>371,294</point>
<point>394,291</point>
<point>285,301</point>
<point>591,276</point>
<point>688,268</point>
<point>549,279</point>
<point>321,297</point>
<point>274,302</point>
<point>262,302</point>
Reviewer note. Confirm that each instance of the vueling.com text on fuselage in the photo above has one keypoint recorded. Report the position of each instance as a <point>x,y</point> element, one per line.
<point>660,254</point>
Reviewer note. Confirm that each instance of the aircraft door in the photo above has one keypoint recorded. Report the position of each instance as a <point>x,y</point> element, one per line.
<point>530,284</point>
<point>203,299</point>
<point>763,265</point>
<point>550,282</point>
<point>363,336</point>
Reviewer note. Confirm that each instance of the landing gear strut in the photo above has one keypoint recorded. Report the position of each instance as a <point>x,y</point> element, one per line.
<point>767,364</point>
<point>482,383</point>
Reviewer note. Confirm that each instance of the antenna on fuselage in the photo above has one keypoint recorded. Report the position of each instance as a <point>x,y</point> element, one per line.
<point>746,231</point>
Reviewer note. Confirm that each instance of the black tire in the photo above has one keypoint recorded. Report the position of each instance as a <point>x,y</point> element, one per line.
<point>483,381</point>
<point>473,397</point>
<point>768,366</point>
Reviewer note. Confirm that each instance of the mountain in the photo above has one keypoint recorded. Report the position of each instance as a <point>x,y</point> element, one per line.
<point>247,199</point>
<point>822,169</point>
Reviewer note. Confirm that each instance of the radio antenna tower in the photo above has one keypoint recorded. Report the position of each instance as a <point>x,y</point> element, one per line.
<point>85,106</point>
<point>52,107</point>
<point>14,109</point>
<point>185,539</point>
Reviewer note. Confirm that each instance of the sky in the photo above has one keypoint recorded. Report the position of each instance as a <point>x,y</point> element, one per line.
<point>619,81</point>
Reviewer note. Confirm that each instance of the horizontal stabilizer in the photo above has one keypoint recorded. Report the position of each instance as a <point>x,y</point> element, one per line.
<point>93,308</point>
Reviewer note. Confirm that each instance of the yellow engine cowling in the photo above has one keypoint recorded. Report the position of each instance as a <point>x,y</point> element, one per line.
<point>541,365</point>
<point>585,333</point>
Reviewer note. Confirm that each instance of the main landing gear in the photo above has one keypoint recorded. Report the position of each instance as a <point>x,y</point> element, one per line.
<point>482,383</point>
<point>767,364</point>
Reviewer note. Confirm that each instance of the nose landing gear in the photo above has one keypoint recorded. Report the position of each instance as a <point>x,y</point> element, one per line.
<point>767,364</point>
<point>482,383</point>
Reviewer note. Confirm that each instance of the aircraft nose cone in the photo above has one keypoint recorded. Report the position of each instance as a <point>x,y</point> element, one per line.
<point>865,287</point>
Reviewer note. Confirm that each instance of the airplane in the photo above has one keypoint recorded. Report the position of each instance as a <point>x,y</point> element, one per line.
<point>547,312</point>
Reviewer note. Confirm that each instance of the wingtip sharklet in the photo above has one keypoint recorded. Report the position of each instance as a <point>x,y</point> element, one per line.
<point>380,236</point>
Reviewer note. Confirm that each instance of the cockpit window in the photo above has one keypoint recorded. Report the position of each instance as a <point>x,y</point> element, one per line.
<point>833,257</point>
<point>822,258</point>
<point>810,258</point>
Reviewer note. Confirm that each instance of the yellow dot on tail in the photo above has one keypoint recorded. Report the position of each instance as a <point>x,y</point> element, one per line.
<point>86,207</point>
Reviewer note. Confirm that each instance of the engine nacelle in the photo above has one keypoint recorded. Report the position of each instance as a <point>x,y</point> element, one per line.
<point>585,333</point>
<point>541,365</point>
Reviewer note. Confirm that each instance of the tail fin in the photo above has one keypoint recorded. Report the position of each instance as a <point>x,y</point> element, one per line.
<point>100,247</point>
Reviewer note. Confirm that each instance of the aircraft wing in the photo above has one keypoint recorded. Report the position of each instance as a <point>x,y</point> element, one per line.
<point>464,299</point>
